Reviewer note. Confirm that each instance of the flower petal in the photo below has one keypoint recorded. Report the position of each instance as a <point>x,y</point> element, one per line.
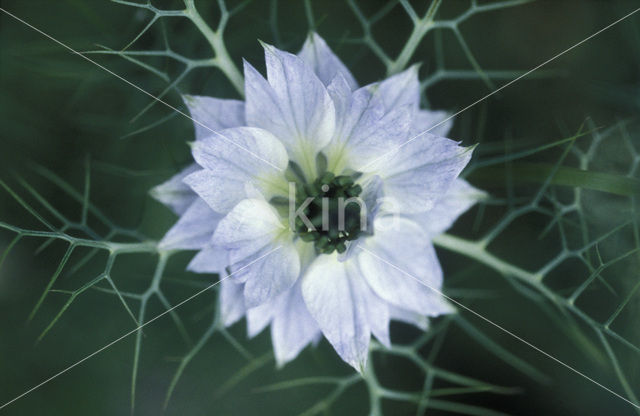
<point>249,227</point>
<point>230,170</point>
<point>215,114</point>
<point>274,271</point>
<point>251,235</point>
<point>413,318</point>
<point>294,104</point>
<point>377,312</point>
<point>317,54</point>
<point>401,266</point>
<point>364,128</point>
<point>193,230</point>
<point>418,173</point>
<point>400,90</point>
<point>460,197</point>
<point>292,327</point>
<point>341,95</point>
<point>210,259</point>
<point>259,317</point>
<point>174,193</point>
<point>425,120</point>
<point>403,89</point>
<point>231,302</point>
<point>333,295</point>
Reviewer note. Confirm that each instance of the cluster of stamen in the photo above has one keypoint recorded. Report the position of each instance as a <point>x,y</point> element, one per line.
<point>339,193</point>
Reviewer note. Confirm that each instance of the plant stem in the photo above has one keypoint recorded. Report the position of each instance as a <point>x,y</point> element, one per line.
<point>477,251</point>
<point>420,29</point>
<point>373,387</point>
<point>222,58</point>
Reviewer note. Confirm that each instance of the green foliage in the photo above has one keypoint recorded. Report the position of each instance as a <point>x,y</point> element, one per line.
<point>557,245</point>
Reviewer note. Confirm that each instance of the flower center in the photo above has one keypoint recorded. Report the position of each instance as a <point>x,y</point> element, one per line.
<point>332,205</point>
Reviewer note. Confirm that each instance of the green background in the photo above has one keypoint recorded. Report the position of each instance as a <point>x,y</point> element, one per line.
<point>62,113</point>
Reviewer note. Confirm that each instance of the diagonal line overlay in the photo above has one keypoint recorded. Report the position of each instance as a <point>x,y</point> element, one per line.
<point>83,56</point>
<point>363,167</point>
<point>506,331</point>
<point>395,149</point>
<point>115,341</point>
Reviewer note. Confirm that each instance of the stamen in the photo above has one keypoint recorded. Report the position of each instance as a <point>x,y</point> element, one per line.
<point>335,191</point>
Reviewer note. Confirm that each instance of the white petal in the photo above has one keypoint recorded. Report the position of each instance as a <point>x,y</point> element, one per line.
<point>331,290</point>
<point>274,271</point>
<point>215,114</point>
<point>364,128</point>
<point>425,120</point>
<point>252,235</point>
<point>460,197</point>
<point>174,193</point>
<point>401,266</point>
<point>420,172</point>
<point>229,169</point>
<point>376,311</point>
<point>401,89</point>
<point>341,95</point>
<point>294,104</point>
<point>231,302</point>
<point>413,318</point>
<point>293,327</point>
<point>247,228</point>
<point>371,192</point>
<point>317,54</point>
<point>259,317</point>
<point>210,259</point>
<point>194,229</point>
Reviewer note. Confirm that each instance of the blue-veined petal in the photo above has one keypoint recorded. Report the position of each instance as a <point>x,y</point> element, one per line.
<point>460,197</point>
<point>400,265</point>
<point>418,173</point>
<point>215,114</point>
<point>293,104</point>
<point>210,259</point>
<point>259,317</point>
<point>229,169</point>
<point>324,62</point>
<point>428,121</point>
<point>400,90</point>
<point>194,229</point>
<point>332,291</point>
<point>232,307</point>
<point>174,193</point>
<point>364,128</point>
<point>292,326</point>
<point>259,252</point>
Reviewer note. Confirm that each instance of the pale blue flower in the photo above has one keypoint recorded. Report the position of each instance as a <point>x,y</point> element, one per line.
<point>307,118</point>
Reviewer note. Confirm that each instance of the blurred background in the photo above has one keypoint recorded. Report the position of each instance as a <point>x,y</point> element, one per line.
<point>558,154</point>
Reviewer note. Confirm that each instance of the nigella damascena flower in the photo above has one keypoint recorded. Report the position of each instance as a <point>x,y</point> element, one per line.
<point>310,197</point>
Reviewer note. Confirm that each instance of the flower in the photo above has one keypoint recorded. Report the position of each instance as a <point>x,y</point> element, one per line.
<point>265,202</point>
